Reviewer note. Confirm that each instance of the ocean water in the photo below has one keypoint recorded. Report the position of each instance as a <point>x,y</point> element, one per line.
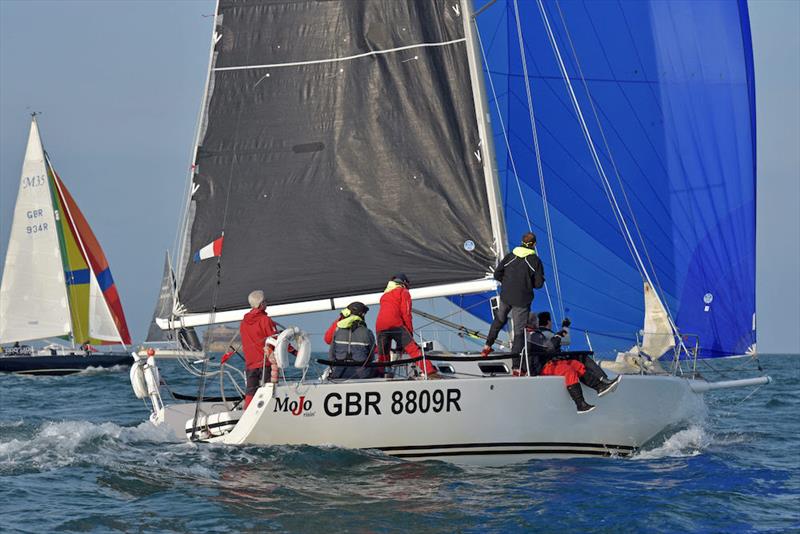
<point>76,456</point>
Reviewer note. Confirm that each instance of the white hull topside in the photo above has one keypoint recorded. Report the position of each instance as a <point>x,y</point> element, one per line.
<point>487,420</point>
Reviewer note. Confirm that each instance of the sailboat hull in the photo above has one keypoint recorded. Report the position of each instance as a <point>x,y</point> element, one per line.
<point>62,364</point>
<point>487,421</point>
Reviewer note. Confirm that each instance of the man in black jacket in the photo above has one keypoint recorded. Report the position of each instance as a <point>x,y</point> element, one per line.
<point>520,272</point>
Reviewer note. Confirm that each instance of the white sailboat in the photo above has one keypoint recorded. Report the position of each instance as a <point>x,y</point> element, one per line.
<point>56,280</point>
<point>284,197</point>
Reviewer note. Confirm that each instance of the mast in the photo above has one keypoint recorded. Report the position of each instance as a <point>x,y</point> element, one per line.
<point>489,159</point>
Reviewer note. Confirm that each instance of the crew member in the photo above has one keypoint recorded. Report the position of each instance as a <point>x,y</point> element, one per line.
<point>255,328</point>
<point>546,327</point>
<point>353,341</point>
<point>394,323</point>
<point>519,272</point>
<point>544,347</point>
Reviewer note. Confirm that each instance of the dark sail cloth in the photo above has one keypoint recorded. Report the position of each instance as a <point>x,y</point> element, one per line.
<point>353,341</point>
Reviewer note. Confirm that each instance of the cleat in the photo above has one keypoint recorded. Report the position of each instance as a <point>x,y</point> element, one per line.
<point>608,386</point>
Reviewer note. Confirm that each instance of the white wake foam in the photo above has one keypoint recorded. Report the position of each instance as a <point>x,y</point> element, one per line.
<point>103,370</point>
<point>688,442</point>
<point>57,443</point>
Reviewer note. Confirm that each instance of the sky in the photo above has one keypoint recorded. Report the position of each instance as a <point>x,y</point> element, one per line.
<point>119,85</point>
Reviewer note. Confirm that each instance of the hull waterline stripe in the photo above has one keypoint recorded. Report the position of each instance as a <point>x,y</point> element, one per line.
<point>506,444</point>
<point>339,59</point>
<point>572,452</point>
<point>212,425</point>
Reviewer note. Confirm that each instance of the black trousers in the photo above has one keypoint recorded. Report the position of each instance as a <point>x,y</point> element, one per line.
<point>254,379</point>
<point>519,317</point>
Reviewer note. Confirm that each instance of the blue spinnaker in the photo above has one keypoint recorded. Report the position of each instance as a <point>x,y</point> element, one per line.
<point>667,91</point>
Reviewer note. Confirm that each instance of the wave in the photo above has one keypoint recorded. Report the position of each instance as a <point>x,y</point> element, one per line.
<point>103,370</point>
<point>58,444</point>
<point>690,441</point>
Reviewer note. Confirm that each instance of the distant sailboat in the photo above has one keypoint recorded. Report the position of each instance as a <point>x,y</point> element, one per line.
<point>56,280</point>
<point>179,343</point>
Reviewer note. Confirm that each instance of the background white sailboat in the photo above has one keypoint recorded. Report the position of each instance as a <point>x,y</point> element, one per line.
<point>56,280</point>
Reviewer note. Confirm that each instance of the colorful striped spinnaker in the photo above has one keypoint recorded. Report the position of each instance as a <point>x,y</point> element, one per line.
<point>96,309</point>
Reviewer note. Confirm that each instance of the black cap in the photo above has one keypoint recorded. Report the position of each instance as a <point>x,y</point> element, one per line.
<point>529,240</point>
<point>544,318</point>
<point>401,278</point>
<point>358,308</point>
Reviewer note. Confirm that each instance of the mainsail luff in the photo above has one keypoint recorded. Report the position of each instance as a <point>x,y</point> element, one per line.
<point>270,153</point>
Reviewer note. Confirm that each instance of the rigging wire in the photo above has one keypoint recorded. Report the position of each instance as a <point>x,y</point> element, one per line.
<point>592,148</point>
<point>611,156</point>
<point>509,152</point>
<point>534,133</point>
<point>599,165</point>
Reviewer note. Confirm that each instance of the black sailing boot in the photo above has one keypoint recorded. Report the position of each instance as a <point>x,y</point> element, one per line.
<point>592,367</point>
<point>600,383</point>
<point>577,395</point>
<point>607,386</point>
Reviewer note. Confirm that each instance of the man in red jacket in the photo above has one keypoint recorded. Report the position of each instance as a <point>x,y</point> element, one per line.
<point>394,323</point>
<point>254,330</point>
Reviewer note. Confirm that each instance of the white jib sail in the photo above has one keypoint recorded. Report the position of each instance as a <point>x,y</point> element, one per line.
<point>101,322</point>
<point>658,336</point>
<point>33,295</point>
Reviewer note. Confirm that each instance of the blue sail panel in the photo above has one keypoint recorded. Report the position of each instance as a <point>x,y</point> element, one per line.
<point>666,89</point>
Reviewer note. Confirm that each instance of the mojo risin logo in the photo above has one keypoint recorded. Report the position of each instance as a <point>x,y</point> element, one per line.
<point>298,406</point>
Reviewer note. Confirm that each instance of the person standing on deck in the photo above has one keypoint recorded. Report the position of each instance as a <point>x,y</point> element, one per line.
<point>255,328</point>
<point>394,323</point>
<point>519,272</point>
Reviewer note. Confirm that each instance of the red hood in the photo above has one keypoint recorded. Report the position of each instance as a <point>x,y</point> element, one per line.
<point>253,316</point>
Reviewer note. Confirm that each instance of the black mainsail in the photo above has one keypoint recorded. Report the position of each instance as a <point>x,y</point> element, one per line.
<point>164,305</point>
<point>339,144</point>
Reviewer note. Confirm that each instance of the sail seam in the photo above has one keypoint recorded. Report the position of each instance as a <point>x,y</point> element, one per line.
<point>340,59</point>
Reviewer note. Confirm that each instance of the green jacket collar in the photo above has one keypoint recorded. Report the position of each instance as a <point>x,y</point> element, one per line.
<point>392,285</point>
<point>349,322</point>
<point>523,252</point>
